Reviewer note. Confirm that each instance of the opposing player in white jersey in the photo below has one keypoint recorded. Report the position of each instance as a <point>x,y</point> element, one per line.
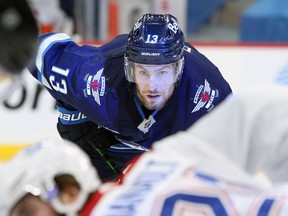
<point>55,178</point>
<point>252,130</point>
<point>182,175</point>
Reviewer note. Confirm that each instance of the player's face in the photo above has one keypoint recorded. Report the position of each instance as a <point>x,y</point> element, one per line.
<point>32,206</point>
<point>154,84</point>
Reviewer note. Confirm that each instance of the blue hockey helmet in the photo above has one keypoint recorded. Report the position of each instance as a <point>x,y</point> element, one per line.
<point>156,39</point>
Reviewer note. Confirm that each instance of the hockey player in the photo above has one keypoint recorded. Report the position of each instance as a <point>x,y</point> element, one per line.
<point>117,99</point>
<point>18,39</point>
<point>182,175</point>
<point>57,178</point>
<point>250,128</point>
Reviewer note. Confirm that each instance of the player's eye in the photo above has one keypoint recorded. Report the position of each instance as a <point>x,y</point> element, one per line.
<point>144,73</point>
<point>163,72</point>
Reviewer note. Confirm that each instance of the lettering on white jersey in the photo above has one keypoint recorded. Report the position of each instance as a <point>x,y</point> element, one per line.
<point>129,201</point>
<point>204,97</point>
<point>95,86</point>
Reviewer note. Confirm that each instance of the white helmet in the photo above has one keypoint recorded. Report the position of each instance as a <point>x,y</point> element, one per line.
<point>33,170</point>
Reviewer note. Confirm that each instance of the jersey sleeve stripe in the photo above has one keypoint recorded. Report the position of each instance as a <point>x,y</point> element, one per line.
<point>45,45</point>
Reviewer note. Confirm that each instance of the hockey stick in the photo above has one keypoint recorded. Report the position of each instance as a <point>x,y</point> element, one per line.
<point>107,159</point>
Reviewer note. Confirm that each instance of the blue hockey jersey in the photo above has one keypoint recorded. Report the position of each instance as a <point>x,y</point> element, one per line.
<point>92,80</point>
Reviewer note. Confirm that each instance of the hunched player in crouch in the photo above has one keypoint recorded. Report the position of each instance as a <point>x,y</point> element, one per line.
<point>115,100</point>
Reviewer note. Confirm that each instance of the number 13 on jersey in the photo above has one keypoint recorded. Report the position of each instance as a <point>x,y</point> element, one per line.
<point>60,85</point>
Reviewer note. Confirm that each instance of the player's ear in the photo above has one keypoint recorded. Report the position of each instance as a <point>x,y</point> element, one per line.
<point>69,189</point>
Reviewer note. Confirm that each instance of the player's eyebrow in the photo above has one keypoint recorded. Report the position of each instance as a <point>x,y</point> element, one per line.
<point>144,67</point>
